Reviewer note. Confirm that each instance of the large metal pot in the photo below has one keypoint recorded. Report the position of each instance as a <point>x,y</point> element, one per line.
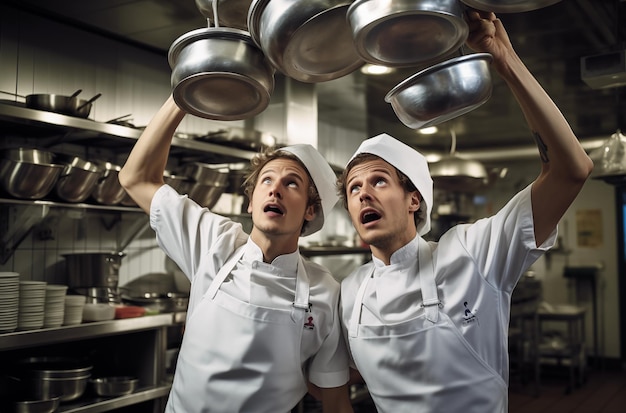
<point>47,377</point>
<point>406,32</point>
<point>243,138</point>
<point>28,173</point>
<point>108,190</point>
<point>509,6</point>
<point>219,73</point>
<point>443,91</point>
<point>78,178</point>
<point>307,40</point>
<point>93,269</point>
<point>65,105</point>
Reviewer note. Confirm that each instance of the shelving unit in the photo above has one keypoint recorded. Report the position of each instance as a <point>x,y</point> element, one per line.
<point>142,341</point>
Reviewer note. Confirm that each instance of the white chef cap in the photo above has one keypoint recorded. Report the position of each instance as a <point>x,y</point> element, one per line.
<point>408,161</point>
<point>324,179</point>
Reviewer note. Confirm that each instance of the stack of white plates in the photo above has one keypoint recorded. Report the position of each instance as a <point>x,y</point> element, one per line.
<point>74,305</point>
<point>31,305</point>
<point>9,301</point>
<point>54,309</point>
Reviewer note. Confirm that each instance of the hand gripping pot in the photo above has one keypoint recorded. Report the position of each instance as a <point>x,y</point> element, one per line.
<point>219,73</point>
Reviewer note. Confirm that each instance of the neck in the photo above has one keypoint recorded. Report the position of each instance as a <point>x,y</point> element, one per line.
<point>384,249</point>
<point>273,246</point>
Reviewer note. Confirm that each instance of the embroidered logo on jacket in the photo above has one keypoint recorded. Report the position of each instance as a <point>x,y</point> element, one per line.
<point>469,316</point>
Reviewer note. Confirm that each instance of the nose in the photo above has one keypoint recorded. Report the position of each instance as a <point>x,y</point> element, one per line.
<point>364,194</point>
<point>275,190</point>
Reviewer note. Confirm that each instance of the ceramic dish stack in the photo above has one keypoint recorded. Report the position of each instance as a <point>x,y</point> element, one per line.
<point>31,305</point>
<point>54,308</point>
<point>9,301</point>
<point>74,305</point>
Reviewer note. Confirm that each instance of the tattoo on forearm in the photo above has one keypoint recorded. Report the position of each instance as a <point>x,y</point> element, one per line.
<point>543,149</point>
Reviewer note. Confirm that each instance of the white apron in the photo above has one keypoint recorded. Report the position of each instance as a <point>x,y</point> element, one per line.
<point>238,357</point>
<point>423,364</point>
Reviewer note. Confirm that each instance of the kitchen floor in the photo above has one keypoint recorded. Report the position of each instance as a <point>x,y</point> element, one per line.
<point>602,392</point>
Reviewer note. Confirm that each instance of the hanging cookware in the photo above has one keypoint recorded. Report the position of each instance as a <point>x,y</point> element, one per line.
<point>509,6</point>
<point>442,92</point>
<point>307,40</point>
<point>457,174</point>
<point>406,32</point>
<point>219,73</point>
<point>232,13</point>
<point>93,269</point>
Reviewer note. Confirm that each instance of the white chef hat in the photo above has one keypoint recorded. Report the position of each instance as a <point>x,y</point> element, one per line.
<point>324,179</point>
<point>408,161</point>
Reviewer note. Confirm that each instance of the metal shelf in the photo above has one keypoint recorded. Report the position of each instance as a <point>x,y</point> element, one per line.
<point>35,338</point>
<point>108,404</point>
<point>81,128</point>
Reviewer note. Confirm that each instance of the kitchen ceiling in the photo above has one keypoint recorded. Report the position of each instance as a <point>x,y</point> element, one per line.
<point>551,41</point>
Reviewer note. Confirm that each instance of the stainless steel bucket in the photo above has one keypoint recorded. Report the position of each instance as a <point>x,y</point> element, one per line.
<point>93,269</point>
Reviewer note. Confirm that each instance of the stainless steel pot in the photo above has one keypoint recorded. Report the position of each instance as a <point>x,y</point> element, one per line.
<point>443,91</point>
<point>28,173</point>
<point>208,183</point>
<point>66,105</point>
<point>307,40</point>
<point>47,377</point>
<point>93,269</point>
<point>509,6</point>
<point>108,190</point>
<point>78,179</point>
<point>406,32</point>
<point>219,73</point>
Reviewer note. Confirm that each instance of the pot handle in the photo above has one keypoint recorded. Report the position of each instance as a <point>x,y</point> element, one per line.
<point>89,101</point>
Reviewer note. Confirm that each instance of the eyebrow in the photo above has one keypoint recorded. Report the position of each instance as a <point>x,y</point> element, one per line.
<point>291,174</point>
<point>379,170</point>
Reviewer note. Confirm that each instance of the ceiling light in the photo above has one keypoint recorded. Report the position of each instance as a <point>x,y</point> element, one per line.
<point>428,131</point>
<point>370,69</point>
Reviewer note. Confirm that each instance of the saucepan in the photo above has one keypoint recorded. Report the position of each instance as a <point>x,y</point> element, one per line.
<point>509,6</point>
<point>442,92</point>
<point>406,32</point>
<point>307,40</point>
<point>219,73</point>
<point>65,105</point>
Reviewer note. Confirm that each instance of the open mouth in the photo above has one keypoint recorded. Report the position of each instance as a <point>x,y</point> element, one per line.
<point>369,216</point>
<point>274,209</point>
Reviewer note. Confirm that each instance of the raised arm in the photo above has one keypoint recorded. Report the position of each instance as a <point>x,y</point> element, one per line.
<point>142,173</point>
<point>565,164</point>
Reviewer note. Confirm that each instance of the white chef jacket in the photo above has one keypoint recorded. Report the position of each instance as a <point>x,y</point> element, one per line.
<point>200,242</point>
<point>476,267</point>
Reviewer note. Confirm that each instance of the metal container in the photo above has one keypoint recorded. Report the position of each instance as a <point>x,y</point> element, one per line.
<point>231,13</point>
<point>208,183</point>
<point>219,73</point>
<point>443,91</point>
<point>108,190</point>
<point>114,386</point>
<point>93,269</point>
<point>28,180</point>
<point>78,179</point>
<point>48,377</point>
<point>49,405</point>
<point>406,32</point>
<point>307,40</point>
<point>65,105</point>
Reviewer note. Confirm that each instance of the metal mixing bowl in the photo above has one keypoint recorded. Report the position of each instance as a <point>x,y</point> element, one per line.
<point>442,92</point>
<point>28,180</point>
<point>78,178</point>
<point>108,190</point>
<point>208,183</point>
<point>114,386</point>
<point>49,405</point>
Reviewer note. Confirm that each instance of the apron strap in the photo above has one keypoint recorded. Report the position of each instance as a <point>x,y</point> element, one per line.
<point>355,318</point>
<point>225,271</point>
<point>301,302</point>
<point>430,300</point>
